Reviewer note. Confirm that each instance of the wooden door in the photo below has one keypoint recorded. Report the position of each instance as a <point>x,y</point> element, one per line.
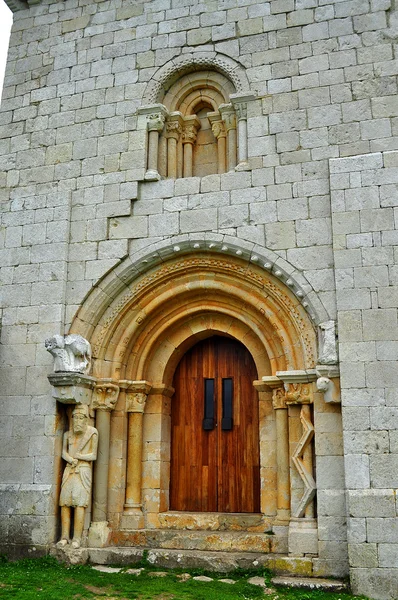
<point>214,430</point>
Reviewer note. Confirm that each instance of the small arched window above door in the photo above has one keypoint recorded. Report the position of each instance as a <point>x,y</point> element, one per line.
<point>200,128</point>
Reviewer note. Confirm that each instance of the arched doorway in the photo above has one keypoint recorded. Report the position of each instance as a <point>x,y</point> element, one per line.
<point>215,465</point>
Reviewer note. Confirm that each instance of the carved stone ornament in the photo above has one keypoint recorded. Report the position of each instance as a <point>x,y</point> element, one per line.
<point>79,450</point>
<point>300,463</point>
<point>330,390</point>
<point>155,122</point>
<point>72,388</point>
<point>241,110</point>
<point>105,395</point>
<point>173,129</point>
<point>71,353</point>
<point>190,133</point>
<point>135,402</point>
<point>327,343</point>
<point>218,129</point>
<point>299,393</point>
<point>279,398</point>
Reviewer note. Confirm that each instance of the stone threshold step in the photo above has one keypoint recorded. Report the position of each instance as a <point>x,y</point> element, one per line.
<point>311,583</point>
<point>221,541</point>
<point>222,562</point>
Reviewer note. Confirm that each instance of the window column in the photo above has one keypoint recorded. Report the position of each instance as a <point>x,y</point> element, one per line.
<point>173,132</point>
<point>229,120</point>
<point>189,134</point>
<point>219,132</point>
<point>240,105</point>
<point>156,116</point>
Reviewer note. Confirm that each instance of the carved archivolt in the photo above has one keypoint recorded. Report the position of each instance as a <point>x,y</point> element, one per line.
<point>164,78</point>
<point>150,323</point>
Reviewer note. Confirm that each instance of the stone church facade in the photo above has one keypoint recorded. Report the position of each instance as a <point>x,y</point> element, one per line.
<point>205,191</point>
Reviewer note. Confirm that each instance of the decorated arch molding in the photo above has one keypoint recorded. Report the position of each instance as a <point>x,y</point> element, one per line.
<point>167,75</point>
<point>148,311</point>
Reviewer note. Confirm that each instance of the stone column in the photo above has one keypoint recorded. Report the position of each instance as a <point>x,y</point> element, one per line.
<point>173,132</point>
<point>105,395</point>
<point>229,120</point>
<point>189,134</point>
<point>136,395</point>
<point>219,132</point>
<point>240,105</point>
<point>282,448</point>
<point>156,116</point>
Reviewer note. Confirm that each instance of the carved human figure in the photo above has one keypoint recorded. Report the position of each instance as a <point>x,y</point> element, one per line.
<point>79,450</point>
<point>71,353</point>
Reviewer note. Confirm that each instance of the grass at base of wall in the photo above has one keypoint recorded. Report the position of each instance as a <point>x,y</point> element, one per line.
<point>45,578</point>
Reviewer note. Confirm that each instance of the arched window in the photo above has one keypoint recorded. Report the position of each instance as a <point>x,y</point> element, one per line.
<point>198,129</point>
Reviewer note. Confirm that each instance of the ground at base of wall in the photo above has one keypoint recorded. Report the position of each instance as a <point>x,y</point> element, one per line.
<point>46,578</point>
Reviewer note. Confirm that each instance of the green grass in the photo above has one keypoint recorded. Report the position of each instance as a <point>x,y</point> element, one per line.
<point>46,579</point>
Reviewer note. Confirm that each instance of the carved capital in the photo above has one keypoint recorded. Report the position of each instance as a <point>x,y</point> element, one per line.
<point>299,393</point>
<point>241,110</point>
<point>190,130</point>
<point>173,129</point>
<point>105,395</point>
<point>228,116</point>
<point>279,398</point>
<point>155,122</point>
<point>136,402</point>
<point>218,129</point>
<point>239,103</point>
<point>136,394</point>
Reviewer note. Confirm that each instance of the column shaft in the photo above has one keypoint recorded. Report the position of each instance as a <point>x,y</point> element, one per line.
<point>282,457</point>
<point>242,141</point>
<point>221,149</point>
<point>134,460</point>
<point>231,149</point>
<point>172,157</point>
<point>101,466</point>
<point>153,145</point>
<point>188,159</point>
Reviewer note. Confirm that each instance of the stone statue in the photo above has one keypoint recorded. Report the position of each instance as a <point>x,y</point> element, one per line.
<point>71,353</point>
<point>79,450</point>
<point>327,342</point>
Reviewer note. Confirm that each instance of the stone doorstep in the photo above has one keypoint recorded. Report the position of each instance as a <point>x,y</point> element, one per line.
<point>222,562</point>
<point>254,522</point>
<point>311,583</point>
<point>219,541</point>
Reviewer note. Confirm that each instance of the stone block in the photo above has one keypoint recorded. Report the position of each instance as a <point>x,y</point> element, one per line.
<point>383,471</point>
<point>371,503</point>
<point>363,555</point>
<point>357,471</point>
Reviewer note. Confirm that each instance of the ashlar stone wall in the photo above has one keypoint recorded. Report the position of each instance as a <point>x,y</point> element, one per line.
<point>319,193</point>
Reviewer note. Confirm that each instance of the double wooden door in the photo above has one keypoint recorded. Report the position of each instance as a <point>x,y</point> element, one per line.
<point>214,430</point>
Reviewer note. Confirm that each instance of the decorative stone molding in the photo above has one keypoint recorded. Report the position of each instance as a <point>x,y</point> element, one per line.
<point>164,78</point>
<point>72,388</point>
<point>302,464</point>
<point>72,353</point>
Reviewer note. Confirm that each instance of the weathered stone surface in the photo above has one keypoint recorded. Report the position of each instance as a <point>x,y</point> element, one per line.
<point>310,583</point>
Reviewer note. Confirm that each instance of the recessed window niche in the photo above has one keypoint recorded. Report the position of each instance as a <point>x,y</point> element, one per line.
<point>199,128</point>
